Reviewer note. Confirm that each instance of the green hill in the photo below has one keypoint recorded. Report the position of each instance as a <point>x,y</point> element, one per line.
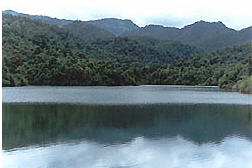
<point>115,26</point>
<point>36,53</point>
<point>206,35</point>
<point>45,19</point>
<point>143,50</point>
<point>222,67</point>
<point>87,31</point>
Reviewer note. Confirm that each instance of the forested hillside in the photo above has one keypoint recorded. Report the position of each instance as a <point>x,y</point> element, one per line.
<point>36,53</point>
<point>87,31</point>
<point>44,19</point>
<point>114,26</point>
<point>222,67</point>
<point>143,50</point>
<point>205,35</point>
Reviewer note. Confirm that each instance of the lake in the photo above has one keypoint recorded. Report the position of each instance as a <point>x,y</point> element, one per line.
<point>119,127</point>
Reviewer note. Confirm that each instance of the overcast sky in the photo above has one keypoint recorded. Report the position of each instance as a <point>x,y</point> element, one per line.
<point>178,13</point>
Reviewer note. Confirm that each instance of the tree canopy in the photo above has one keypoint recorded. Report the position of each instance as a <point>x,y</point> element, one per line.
<point>36,53</point>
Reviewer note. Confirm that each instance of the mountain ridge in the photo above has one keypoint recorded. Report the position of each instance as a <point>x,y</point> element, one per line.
<point>218,22</point>
<point>203,34</point>
<point>36,53</point>
<point>114,25</point>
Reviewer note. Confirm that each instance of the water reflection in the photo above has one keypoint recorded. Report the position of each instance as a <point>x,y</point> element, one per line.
<point>176,152</point>
<point>25,125</point>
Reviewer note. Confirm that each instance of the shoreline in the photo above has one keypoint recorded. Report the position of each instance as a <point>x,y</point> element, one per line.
<point>215,86</point>
<point>233,89</point>
<point>121,104</point>
<point>123,95</point>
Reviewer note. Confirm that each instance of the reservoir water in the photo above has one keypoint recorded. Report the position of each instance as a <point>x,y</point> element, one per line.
<point>135,126</point>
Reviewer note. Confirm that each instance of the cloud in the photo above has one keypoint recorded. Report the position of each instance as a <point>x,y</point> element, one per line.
<point>235,14</point>
<point>174,152</point>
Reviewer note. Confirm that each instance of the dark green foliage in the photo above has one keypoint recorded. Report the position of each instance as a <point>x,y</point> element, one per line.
<point>227,39</point>
<point>26,125</point>
<point>44,19</point>
<point>87,31</point>
<point>35,53</point>
<point>114,26</point>
<point>143,50</point>
<point>222,67</point>
<point>207,35</point>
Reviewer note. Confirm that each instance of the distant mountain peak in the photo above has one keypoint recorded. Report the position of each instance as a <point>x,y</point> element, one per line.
<point>152,25</point>
<point>202,22</point>
<point>12,12</point>
<point>208,26</point>
<point>117,19</point>
<point>220,22</point>
<point>201,33</point>
<point>114,25</point>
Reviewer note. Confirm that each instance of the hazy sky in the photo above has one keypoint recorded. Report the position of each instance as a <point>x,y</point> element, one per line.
<point>235,14</point>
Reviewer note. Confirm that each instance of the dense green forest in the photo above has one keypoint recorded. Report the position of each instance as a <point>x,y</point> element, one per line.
<point>207,35</point>
<point>36,53</point>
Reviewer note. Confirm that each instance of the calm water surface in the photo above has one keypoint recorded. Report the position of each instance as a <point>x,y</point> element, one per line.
<point>115,127</point>
<point>123,95</point>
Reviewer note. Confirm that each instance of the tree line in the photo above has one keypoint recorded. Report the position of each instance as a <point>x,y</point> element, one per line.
<point>35,53</point>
